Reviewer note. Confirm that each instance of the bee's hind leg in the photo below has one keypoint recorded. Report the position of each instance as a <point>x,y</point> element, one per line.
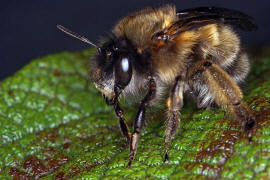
<point>225,91</point>
<point>174,104</point>
<point>139,120</point>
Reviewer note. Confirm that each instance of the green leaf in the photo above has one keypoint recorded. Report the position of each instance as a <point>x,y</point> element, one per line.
<point>55,125</point>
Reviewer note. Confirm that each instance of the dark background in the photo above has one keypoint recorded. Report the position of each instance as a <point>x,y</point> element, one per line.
<point>27,28</point>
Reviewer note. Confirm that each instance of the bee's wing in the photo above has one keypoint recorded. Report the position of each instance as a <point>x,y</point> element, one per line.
<point>194,18</point>
<point>227,16</point>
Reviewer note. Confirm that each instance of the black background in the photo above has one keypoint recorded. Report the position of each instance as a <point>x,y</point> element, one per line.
<point>27,28</point>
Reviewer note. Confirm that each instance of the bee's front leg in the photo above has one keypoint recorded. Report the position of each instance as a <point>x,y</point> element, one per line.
<point>119,113</point>
<point>174,104</point>
<point>139,120</point>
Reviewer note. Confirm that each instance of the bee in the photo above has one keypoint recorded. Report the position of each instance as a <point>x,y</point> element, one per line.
<point>161,52</point>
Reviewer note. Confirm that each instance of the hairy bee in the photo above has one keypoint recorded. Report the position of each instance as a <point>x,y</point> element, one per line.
<point>192,51</point>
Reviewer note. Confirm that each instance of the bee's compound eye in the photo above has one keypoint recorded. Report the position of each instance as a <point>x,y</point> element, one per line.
<point>123,71</point>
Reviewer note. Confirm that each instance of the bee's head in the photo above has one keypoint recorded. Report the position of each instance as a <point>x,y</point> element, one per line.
<point>112,66</point>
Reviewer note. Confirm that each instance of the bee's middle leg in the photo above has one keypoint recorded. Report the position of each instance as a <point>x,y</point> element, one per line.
<point>139,120</point>
<point>174,104</point>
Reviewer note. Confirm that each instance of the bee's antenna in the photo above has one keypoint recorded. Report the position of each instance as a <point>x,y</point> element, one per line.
<point>76,35</point>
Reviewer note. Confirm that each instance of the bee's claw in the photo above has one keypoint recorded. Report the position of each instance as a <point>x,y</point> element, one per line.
<point>129,163</point>
<point>166,159</point>
<point>108,101</point>
<point>250,123</point>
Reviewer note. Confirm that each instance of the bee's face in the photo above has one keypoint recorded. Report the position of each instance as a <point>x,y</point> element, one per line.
<point>111,66</point>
